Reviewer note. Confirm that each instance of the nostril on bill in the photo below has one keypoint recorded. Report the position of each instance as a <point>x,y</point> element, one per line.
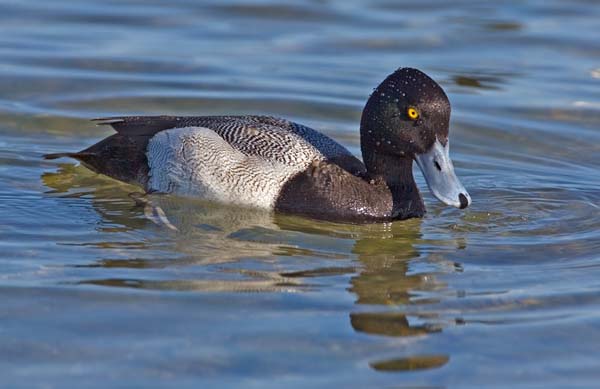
<point>464,202</point>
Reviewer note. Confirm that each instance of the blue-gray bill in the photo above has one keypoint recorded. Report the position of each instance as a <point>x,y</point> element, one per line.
<point>438,170</point>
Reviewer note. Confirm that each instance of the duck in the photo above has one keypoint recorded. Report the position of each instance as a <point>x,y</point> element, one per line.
<point>282,166</point>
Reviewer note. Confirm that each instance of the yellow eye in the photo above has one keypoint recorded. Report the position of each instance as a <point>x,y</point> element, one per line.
<point>412,113</point>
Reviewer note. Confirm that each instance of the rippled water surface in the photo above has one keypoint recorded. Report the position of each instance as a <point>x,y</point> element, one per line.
<point>505,293</point>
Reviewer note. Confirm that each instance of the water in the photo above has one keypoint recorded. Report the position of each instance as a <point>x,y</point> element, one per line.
<point>505,293</point>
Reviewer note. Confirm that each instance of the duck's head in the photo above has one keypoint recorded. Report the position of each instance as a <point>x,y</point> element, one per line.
<point>407,118</point>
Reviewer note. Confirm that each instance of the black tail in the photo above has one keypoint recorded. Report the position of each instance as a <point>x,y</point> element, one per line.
<point>121,157</point>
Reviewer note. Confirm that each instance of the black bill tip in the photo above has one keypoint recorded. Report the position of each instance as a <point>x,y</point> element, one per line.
<point>464,202</point>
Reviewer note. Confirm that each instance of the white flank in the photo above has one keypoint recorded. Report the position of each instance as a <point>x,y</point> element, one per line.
<point>197,162</point>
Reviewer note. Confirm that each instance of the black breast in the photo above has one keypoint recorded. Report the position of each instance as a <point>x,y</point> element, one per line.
<point>326,191</point>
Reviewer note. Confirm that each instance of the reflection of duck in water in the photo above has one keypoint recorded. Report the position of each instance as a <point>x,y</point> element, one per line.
<point>272,163</point>
<point>385,281</point>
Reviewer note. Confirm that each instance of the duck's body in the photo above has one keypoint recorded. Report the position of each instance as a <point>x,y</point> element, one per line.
<point>256,161</point>
<point>260,161</point>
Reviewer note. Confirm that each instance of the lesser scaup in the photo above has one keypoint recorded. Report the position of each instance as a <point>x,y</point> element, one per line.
<point>273,163</point>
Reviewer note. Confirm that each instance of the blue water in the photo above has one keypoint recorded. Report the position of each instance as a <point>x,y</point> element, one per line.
<point>505,293</point>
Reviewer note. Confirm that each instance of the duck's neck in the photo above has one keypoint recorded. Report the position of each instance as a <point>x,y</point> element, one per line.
<point>396,172</point>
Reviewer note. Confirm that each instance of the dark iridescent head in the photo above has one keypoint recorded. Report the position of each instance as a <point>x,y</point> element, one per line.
<point>408,117</point>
